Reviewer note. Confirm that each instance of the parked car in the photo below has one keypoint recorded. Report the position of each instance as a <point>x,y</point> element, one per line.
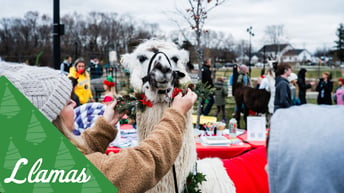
<point>228,64</point>
<point>218,65</point>
<point>259,64</point>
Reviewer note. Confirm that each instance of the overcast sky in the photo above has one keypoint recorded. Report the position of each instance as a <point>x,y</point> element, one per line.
<point>309,24</point>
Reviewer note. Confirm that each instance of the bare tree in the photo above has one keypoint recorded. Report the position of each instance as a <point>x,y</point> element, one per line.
<point>242,49</point>
<point>195,15</point>
<point>29,38</point>
<point>274,33</point>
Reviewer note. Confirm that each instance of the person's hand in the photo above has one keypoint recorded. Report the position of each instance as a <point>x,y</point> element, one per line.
<point>312,83</point>
<point>184,103</point>
<point>110,115</point>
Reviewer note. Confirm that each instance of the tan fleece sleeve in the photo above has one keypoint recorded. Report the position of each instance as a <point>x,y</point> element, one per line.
<point>99,136</point>
<point>139,168</point>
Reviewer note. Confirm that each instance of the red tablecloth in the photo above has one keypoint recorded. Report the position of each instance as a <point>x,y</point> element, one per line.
<point>254,144</point>
<point>247,171</point>
<point>223,152</point>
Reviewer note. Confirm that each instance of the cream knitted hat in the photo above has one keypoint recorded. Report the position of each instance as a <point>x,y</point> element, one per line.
<point>45,87</point>
<point>292,77</point>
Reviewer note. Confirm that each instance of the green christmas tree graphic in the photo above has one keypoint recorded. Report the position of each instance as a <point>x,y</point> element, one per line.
<point>42,188</point>
<point>1,188</point>
<point>37,138</point>
<point>35,133</point>
<point>91,186</point>
<point>12,156</point>
<point>8,104</point>
<point>64,157</point>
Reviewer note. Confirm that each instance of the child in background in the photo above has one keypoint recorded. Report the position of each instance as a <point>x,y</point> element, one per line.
<point>220,97</point>
<point>292,84</point>
<point>339,94</point>
<point>109,88</point>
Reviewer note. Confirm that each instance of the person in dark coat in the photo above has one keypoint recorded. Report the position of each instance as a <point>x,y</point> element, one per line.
<point>66,65</point>
<point>301,81</point>
<point>282,93</point>
<point>220,97</point>
<point>96,69</point>
<point>206,79</point>
<point>73,96</point>
<point>324,88</point>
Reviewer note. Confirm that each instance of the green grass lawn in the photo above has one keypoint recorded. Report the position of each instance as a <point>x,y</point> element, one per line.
<point>230,103</point>
<point>312,72</point>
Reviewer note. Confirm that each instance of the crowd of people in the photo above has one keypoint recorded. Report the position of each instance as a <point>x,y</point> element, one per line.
<point>73,82</point>
<point>287,88</point>
<point>81,73</point>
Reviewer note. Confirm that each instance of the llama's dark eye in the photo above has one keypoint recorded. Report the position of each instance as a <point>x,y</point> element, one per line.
<point>175,59</point>
<point>142,58</point>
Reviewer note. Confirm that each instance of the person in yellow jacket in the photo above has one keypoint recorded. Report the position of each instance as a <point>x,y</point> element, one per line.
<point>83,88</point>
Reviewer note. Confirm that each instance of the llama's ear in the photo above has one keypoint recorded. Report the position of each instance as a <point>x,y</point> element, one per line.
<point>125,61</point>
<point>178,74</point>
<point>181,74</point>
<point>183,57</point>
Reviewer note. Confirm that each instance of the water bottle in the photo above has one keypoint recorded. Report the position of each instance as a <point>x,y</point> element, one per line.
<point>232,127</point>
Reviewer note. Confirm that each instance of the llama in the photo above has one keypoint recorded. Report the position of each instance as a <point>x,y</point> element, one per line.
<point>258,100</point>
<point>155,67</point>
<point>253,99</point>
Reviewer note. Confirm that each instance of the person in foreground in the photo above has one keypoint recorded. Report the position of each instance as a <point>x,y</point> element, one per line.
<point>305,153</point>
<point>131,170</point>
<point>282,92</point>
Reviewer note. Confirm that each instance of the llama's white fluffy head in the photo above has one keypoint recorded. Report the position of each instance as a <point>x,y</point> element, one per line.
<point>155,66</point>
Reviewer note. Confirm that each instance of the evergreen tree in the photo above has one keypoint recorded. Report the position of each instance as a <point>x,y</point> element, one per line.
<point>340,43</point>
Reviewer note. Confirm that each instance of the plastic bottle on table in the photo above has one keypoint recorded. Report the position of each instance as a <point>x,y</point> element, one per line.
<point>232,127</point>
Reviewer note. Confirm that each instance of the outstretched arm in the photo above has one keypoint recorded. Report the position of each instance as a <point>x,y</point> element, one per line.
<point>139,168</point>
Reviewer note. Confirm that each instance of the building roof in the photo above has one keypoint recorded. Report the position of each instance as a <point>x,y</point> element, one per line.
<point>273,47</point>
<point>293,52</point>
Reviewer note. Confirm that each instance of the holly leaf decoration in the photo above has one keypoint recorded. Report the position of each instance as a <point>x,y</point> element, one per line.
<point>202,90</point>
<point>193,181</point>
<point>125,104</point>
<point>142,101</point>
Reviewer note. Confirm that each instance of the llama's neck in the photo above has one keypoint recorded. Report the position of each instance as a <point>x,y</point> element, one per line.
<point>148,119</point>
<point>187,156</point>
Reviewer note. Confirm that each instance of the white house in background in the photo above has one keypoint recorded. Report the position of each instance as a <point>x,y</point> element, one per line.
<point>254,59</point>
<point>243,59</point>
<point>274,51</point>
<point>297,56</point>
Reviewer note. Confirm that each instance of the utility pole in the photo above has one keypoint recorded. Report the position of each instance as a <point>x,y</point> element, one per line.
<point>58,30</point>
<point>249,30</point>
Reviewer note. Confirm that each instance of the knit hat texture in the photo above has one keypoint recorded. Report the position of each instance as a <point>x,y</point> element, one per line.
<point>341,80</point>
<point>46,88</point>
<point>109,81</point>
<point>243,68</point>
<point>292,77</point>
